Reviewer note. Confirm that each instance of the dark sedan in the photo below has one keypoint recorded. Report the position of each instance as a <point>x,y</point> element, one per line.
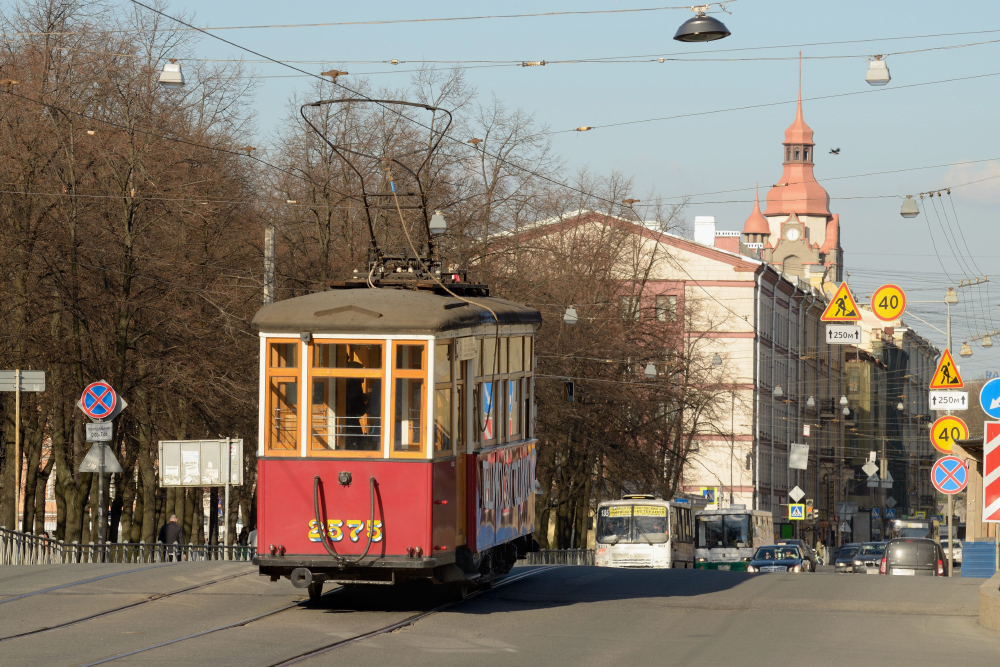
<point>845,558</point>
<point>778,558</point>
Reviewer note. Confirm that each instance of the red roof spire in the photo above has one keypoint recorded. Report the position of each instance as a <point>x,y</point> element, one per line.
<point>798,132</point>
<point>756,223</point>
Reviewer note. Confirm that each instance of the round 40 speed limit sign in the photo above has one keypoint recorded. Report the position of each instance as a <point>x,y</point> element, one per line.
<point>888,302</point>
<point>946,431</point>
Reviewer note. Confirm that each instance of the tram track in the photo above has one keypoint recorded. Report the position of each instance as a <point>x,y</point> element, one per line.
<point>15,598</point>
<point>391,627</point>
<point>115,610</point>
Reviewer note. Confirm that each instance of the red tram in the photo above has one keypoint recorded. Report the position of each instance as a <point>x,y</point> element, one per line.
<point>396,433</point>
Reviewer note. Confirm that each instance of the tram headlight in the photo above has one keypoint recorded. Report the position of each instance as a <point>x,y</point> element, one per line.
<point>701,560</point>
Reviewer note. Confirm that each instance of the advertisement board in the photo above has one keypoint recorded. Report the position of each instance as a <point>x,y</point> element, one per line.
<point>505,504</point>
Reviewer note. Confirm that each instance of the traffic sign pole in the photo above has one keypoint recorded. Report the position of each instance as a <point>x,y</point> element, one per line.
<point>17,447</point>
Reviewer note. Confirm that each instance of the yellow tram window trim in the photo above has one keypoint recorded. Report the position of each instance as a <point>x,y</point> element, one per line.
<point>407,437</point>
<point>346,415</point>
<point>281,380</point>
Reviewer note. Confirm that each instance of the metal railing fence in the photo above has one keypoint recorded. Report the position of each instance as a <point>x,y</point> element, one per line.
<point>17,548</point>
<point>561,557</point>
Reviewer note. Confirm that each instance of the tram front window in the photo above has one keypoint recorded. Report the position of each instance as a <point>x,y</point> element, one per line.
<point>346,410</point>
<point>614,524</point>
<point>408,399</point>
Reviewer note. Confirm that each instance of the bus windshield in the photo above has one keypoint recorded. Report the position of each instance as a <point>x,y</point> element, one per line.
<point>627,524</point>
<point>910,528</point>
<point>725,531</point>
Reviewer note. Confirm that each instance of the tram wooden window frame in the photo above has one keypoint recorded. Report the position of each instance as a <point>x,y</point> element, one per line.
<point>289,373</point>
<point>423,373</point>
<point>379,373</point>
<point>449,386</point>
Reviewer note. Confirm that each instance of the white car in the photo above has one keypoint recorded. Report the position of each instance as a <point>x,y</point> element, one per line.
<point>957,545</point>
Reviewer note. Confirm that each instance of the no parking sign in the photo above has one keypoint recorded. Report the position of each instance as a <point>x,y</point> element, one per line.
<point>949,475</point>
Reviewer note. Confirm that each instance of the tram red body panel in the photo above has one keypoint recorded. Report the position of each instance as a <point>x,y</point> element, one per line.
<point>286,504</point>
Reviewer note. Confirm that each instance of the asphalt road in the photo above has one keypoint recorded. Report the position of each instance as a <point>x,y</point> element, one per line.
<point>558,616</point>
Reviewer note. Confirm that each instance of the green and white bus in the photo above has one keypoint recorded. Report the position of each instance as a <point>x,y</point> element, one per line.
<point>640,531</point>
<point>726,539</point>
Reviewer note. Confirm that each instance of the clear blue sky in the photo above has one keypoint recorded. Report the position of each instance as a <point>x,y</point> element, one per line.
<point>894,129</point>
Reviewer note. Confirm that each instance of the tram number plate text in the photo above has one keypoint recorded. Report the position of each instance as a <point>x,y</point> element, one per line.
<point>843,334</point>
<point>336,529</point>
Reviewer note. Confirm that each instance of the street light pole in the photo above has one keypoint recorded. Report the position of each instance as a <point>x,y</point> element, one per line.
<point>950,298</point>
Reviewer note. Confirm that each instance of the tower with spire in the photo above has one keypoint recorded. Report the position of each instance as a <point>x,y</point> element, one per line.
<point>796,231</point>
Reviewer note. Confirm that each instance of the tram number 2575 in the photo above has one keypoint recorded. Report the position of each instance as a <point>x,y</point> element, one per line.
<point>337,528</point>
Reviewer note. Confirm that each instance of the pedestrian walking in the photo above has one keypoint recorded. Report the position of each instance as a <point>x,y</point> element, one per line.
<point>821,552</point>
<point>172,533</point>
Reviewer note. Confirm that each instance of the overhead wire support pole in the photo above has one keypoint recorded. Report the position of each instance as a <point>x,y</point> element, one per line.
<point>17,447</point>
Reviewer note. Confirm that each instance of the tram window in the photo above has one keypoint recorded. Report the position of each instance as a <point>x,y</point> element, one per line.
<point>529,359</point>
<point>503,355</point>
<point>407,431</point>
<point>516,358</point>
<point>346,414</point>
<point>513,409</point>
<point>410,356</point>
<point>488,397</point>
<point>284,355</point>
<point>460,422</point>
<point>442,362</point>
<point>346,355</point>
<point>489,357</point>
<point>442,420</point>
<point>283,414</point>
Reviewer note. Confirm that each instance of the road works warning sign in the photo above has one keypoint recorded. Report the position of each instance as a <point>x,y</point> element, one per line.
<point>843,307</point>
<point>947,376</point>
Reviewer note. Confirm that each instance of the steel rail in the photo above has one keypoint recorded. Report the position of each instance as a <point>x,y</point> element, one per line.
<point>115,610</point>
<point>84,581</point>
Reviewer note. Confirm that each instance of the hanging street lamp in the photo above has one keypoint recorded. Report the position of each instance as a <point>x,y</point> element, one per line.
<point>172,76</point>
<point>701,28</point>
<point>909,209</point>
<point>570,317</point>
<point>878,72</point>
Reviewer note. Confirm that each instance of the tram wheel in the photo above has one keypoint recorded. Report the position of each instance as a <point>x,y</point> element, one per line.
<point>315,590</point>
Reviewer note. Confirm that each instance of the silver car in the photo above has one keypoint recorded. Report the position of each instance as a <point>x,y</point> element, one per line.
<point>869,557</point>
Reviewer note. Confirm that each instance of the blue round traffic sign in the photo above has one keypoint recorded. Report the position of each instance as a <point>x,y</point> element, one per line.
<point>99,400</point>
<point>949,475</point>
<point>989,398</point>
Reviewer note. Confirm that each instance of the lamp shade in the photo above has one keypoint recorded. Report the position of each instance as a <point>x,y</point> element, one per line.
<point>909,209</point>
<point>172,76</point>
<point>701,28</point>
<point>778,393</point>
<point>987,342</point>
<point>716,360</point>
<point>650,371</point>
<point>878,73</point>
<point>951,297</point>
<point>843,401</point>
<point>437,225</point>
<point>966,350</point>
<point>810,402</point>
<point>571,317</point>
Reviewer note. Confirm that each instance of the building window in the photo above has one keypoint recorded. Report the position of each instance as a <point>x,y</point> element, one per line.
<point>788,155</point>
<point>630,307</point>
<point>796,153</point>
<point>666,308</point>
<point>805,154</point>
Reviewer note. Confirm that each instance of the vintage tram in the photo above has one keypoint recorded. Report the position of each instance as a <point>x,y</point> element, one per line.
<point>396,432</point>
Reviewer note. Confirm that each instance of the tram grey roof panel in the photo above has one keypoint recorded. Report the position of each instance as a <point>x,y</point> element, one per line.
<point>386,310</point>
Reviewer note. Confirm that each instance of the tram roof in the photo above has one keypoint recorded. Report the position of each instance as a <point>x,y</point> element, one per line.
<point>387,311</point>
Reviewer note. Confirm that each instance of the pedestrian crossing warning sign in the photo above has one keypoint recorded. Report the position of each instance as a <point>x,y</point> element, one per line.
<point>796,512</point>
<point>842,307</point>
<point>947,376</point>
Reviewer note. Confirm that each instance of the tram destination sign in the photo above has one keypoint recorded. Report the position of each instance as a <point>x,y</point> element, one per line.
<point>949,400</point>
<point>843,334</point>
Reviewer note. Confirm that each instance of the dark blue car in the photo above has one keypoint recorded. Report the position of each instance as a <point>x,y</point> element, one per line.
<point>778,558</point>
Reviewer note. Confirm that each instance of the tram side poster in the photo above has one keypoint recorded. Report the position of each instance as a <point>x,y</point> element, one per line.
<point>505,504</point>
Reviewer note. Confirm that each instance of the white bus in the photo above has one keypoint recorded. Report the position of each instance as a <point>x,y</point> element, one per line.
<point>725,539</point>
<point>643,531</point>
